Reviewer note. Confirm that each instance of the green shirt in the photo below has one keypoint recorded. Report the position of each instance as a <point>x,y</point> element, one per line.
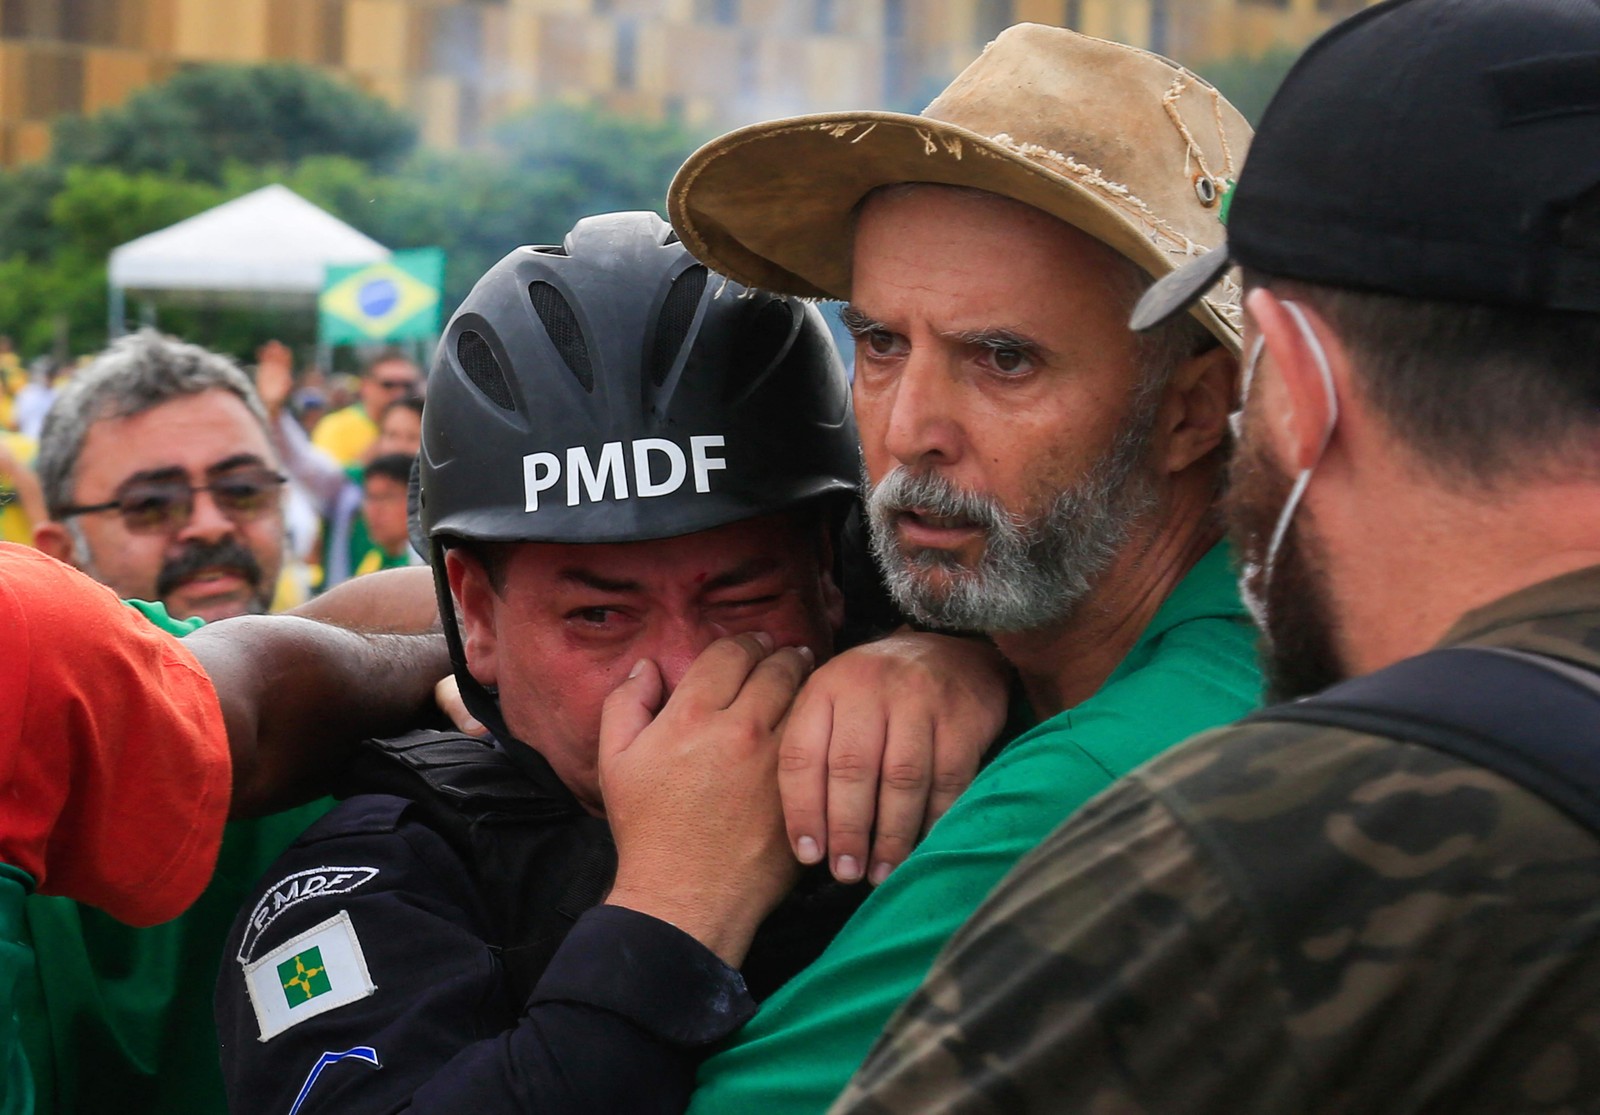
<point>119,1019</point>
<point>1193,668</point>
<point>157,613</point>
<point>16,960</point>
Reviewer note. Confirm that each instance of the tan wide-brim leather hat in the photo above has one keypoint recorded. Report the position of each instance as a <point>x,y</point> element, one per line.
<point>1127,146</point>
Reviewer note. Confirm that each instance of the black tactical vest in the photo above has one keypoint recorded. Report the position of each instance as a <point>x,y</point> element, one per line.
<point>539,860</point>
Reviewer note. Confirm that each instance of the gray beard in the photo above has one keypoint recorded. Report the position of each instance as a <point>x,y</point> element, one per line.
<point>1032,573</point>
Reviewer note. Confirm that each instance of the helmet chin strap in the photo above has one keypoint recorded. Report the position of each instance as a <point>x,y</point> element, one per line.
<point>479,699</point>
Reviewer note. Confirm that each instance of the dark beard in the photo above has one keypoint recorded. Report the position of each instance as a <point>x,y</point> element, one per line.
<point>1299,647</point>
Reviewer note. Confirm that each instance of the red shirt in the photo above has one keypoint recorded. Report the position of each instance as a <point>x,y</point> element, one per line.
<point>114,764</point>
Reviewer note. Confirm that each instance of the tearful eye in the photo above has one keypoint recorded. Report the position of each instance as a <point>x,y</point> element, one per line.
<point>595,616</point>
<point>749,602</point>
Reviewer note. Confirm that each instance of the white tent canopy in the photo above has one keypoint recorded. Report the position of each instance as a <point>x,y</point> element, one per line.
<point>271,246</point>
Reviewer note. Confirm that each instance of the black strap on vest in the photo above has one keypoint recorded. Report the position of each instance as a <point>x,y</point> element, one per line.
<point>1531,718</point>
<point>538,858</point>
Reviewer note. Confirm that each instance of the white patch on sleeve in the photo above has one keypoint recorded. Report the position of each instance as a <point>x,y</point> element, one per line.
<point>318,971</point>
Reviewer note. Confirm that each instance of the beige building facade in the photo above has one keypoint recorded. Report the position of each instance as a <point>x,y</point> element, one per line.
<point>459,64</point>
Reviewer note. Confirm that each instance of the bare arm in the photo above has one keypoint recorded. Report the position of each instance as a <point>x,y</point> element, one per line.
<point>394,600</point>
<point>390,601</point>
<point>297,693</point>
<point>318,473</point>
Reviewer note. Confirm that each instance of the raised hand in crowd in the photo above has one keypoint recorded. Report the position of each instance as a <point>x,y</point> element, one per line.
<point>274,377</point>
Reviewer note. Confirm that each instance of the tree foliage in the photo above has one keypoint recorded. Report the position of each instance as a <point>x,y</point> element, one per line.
<point>578,160</point>
<point>207,117</point>
<point>63,289</point>
<point>214,133</point>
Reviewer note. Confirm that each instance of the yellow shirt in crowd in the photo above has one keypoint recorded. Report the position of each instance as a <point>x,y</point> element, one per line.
<point>12,379</point>
<point>346,434</point>
<point>14,524</point>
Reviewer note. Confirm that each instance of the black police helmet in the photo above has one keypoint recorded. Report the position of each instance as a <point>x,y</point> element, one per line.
<point>613,389</point>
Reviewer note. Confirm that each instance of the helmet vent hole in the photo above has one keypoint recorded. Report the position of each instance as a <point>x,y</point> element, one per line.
<point>675,321</point>
<point>478,361</point>
<point>562,325</point>
<point>764,340</point>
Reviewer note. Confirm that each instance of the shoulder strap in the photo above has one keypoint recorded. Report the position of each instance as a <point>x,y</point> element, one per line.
<point>1531,718</point>
<point>538,859</point>
<point>469,772</point>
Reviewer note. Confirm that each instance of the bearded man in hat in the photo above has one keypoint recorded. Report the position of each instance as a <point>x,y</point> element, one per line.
<point>1385,897</point>
<point>1035,471</point>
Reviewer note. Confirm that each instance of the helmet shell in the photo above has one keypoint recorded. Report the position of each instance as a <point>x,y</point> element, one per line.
<point>614,390</point>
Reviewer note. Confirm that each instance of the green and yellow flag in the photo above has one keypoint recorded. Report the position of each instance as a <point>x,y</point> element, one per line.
<point>391,301</point>
<point>304,976</point>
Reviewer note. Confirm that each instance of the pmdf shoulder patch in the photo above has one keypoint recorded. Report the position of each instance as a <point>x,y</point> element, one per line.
<point>320,970</point>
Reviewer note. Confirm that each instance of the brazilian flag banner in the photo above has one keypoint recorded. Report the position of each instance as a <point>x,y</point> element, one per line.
<point>391,301</point>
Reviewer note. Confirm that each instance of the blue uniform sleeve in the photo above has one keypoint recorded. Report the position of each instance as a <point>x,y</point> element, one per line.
<point>363,981</point>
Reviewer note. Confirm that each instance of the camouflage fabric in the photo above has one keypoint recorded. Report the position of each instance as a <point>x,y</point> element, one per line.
<point>1282,918</point>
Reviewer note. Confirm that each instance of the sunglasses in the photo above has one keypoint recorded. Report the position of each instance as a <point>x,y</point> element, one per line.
<point>163,506</point>
<point>397,384</point>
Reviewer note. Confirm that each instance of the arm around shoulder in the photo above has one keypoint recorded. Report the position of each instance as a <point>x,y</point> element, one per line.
<point>297,693</point>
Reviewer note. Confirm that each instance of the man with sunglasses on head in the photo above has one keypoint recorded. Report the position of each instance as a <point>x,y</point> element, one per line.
<point>161,481</point>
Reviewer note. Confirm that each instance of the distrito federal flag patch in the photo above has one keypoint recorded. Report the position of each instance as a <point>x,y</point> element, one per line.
<point>318,971</point>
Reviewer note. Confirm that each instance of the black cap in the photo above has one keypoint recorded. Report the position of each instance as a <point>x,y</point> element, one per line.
<point>1427,148</point>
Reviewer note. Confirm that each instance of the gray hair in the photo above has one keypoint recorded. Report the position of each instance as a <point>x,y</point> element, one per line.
<point>136,373</point>
<point>1163,348</point>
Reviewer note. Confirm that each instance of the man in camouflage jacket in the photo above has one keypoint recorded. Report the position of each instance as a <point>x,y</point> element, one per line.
<point>1282,916</point>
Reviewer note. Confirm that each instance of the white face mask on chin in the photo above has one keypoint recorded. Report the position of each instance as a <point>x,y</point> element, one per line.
<point>1255,578</point>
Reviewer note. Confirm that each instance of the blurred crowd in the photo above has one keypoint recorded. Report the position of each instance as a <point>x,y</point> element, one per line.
<point>339,449</point>
<point>892,745</point>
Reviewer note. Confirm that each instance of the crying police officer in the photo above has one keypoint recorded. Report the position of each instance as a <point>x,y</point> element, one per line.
<point>633,479</point>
